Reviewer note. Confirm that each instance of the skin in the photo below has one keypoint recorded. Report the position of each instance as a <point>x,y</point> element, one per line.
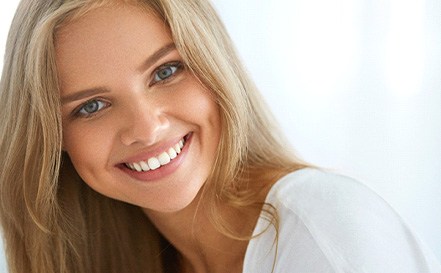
<point>105,51</point>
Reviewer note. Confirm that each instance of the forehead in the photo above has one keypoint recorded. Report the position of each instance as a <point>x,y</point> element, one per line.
<point>114,37</point>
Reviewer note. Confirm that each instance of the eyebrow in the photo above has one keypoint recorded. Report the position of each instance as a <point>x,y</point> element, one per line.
<point>83,94</point>
<point>158,54</point>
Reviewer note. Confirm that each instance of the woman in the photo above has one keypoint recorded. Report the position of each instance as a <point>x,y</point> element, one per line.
<point>133,141</point>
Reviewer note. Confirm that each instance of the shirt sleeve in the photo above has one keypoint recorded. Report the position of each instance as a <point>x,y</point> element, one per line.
<point>355,229</point>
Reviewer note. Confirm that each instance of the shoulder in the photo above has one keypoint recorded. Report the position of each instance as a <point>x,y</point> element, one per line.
<point>344,224</point>
<point>313,190</point>
<point>318,183</point>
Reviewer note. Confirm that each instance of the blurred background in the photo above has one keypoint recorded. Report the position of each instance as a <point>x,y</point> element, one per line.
<point>354,84</point>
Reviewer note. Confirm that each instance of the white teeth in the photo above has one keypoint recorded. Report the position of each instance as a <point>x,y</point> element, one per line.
<point>144,166</point>
<point>177,148</point>
<point>155,162</point>
<point>172,153</point>
<point>137,167</point>
<point>164,158</point>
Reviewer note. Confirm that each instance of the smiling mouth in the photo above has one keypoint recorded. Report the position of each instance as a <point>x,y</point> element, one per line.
<point>162,159</point>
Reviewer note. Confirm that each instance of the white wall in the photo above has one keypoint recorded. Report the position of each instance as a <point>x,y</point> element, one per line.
<point>356,87</point>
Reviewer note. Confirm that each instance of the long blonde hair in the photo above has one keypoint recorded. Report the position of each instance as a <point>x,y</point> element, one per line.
<point>52,222</point>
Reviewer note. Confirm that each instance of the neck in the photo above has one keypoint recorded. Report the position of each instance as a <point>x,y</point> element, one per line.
<point>201,246</point>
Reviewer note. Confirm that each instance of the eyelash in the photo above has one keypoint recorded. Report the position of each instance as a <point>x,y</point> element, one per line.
<point>101,103</point>
<point>176,67</point>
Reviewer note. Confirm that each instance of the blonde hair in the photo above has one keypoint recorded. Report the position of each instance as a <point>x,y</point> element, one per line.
<point>52,222</point>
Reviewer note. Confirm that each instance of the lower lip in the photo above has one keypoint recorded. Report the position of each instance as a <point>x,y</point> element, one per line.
<point>162,171</point>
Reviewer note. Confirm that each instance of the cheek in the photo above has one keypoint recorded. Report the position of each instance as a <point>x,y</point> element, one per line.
<point>206,112</point>
<point>199,104</point>
<point>87,149</point>
<point>209,111</point>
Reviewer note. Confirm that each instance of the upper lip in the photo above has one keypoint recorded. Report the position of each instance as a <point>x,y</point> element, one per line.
<point>152,151</point>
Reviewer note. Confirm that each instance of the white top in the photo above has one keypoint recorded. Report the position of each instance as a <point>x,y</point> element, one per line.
<point>331,223</point>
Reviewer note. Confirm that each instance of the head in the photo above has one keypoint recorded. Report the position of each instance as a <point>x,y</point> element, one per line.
<point>138,125</point>
<point>38,181</point>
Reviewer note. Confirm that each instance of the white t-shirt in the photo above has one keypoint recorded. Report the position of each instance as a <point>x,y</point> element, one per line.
<point>331,223</point>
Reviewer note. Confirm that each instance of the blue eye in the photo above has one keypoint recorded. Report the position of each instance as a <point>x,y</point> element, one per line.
<point>166,71</point>
<point>91,107</point>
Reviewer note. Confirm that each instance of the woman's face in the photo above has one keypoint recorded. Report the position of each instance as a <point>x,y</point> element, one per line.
<point>138,126</point>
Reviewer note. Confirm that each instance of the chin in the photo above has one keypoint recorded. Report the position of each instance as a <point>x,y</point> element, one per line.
<point>177,204</point>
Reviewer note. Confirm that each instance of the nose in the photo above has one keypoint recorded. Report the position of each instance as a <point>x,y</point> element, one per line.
<point>142,123</point>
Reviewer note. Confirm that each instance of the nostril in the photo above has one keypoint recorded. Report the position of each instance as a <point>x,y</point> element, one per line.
<point>142,123</point>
